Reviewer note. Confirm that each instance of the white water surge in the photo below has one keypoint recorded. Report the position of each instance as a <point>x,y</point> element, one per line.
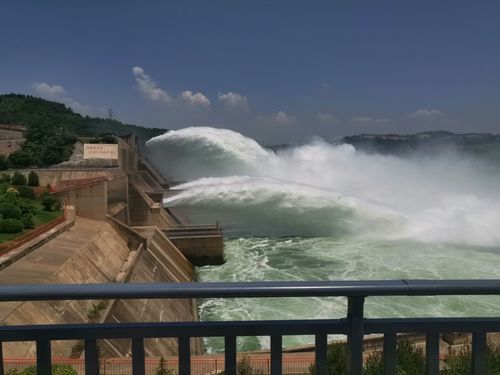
<point>324,190</point>
<point>321,211</point>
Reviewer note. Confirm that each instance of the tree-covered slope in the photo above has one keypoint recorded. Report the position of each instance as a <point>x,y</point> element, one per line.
<point>53,128</point>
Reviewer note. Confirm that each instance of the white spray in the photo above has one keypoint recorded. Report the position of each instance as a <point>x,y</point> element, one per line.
<point>321,189</point>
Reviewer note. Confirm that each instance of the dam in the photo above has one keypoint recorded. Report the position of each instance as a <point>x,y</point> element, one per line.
<point>114,230</point>
<point>114,281</point>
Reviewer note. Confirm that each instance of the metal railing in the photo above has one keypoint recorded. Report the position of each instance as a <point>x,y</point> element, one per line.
<point>354,325</point>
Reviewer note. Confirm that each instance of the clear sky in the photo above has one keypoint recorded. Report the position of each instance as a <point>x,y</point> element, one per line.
<point>275,70</point>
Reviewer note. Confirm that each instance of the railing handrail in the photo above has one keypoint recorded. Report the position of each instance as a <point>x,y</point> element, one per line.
<point>355,288</point>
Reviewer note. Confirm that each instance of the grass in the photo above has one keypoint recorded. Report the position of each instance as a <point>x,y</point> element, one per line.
<point>4,237</point>
<point>41,217</point>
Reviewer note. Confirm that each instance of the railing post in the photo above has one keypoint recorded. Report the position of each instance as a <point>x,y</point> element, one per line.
<point>229,355</point>
<point>355,307</point>
<point>91,358</point>
<point>138,363</point>
<point>43,357</point>
<point>479,349</point>
<point>1,358</point>
<point>432,353</point>
<point>184,355</point>
<point>390,346</point>
<point>276,355</point>
<point>321,349</point>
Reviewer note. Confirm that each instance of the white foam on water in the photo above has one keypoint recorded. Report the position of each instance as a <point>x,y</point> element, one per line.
<point>271,258</point>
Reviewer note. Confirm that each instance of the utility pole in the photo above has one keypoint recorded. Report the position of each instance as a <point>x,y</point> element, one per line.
<point>110,114</point>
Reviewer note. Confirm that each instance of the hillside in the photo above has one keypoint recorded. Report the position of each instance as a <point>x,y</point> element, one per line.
<point>53,128</point>
<point>482,145</point>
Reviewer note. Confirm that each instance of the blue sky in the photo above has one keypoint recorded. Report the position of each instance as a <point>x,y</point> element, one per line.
<point>274,70</point>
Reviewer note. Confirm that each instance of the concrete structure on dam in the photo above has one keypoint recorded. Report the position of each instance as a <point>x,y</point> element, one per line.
<point>115,230</point>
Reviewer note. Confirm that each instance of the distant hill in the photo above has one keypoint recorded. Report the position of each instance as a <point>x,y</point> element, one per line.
<point>428,143</point>
<point>52,129</point>
<point>28,110</point>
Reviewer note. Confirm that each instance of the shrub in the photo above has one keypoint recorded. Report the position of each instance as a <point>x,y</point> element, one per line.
<point>9,196</point>
<point>56,370</point>
<point>50,202</point>
<point>336,360</point>
<point>3,187</point>
<point>244,367</point>
<point>9,210</point>
<point>107,138</point>
<point>21,159</point>
<point>63,370</point>
<point>5,177</point>
<point>162,368</point>
<point>410,360</point>
<point>77,349</point>
<point>95,311</point>
<point>33,179</point>
<point>28,221</point>
<point>18,179</point>
<point>31,370</point>
<point>11,226</point>
<point>460,363</point>
<point>26,206</point>
<point>4,163</point>
<point>26,192</point>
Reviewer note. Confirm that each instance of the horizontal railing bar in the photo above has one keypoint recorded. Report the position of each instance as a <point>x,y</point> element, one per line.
<point>244,328</point>
<point>177,329</point>
<point>427,325</point>
<point>41,292</point>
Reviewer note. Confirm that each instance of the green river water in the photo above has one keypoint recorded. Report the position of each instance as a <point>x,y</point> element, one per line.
<point>271,258</point>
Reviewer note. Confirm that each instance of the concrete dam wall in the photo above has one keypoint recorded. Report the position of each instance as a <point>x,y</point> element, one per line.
<point>94,251</point>
<point>121,234</point>
<point>90,252</point>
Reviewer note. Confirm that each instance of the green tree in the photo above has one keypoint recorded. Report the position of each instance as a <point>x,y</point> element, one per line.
<point>244,367</point>
<point>162,368</point>
<point>5,178</point>
<point>4,163</point>
<point>18,179</point>
<point>21,159</point>
<point>460,362</point>
<point>8,210</point>
<point>336,360</point>
<point>33,179</point>
<point>52,129</point>
<point>410,360</point>
<point>26,205</point>
<point>28,221</point>
<point>26,192</point>
<point>56,370</point>
<point>11,226</point>
<point>50,202</point>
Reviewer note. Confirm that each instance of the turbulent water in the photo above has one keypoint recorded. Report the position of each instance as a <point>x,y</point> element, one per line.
<point>325,212</point>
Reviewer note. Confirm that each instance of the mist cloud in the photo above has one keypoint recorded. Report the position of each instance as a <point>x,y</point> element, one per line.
<point>425,114</point>
<point>151,90</point>
<point>58,94</point>
<point>233,100</point>
<point>47,90</point>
